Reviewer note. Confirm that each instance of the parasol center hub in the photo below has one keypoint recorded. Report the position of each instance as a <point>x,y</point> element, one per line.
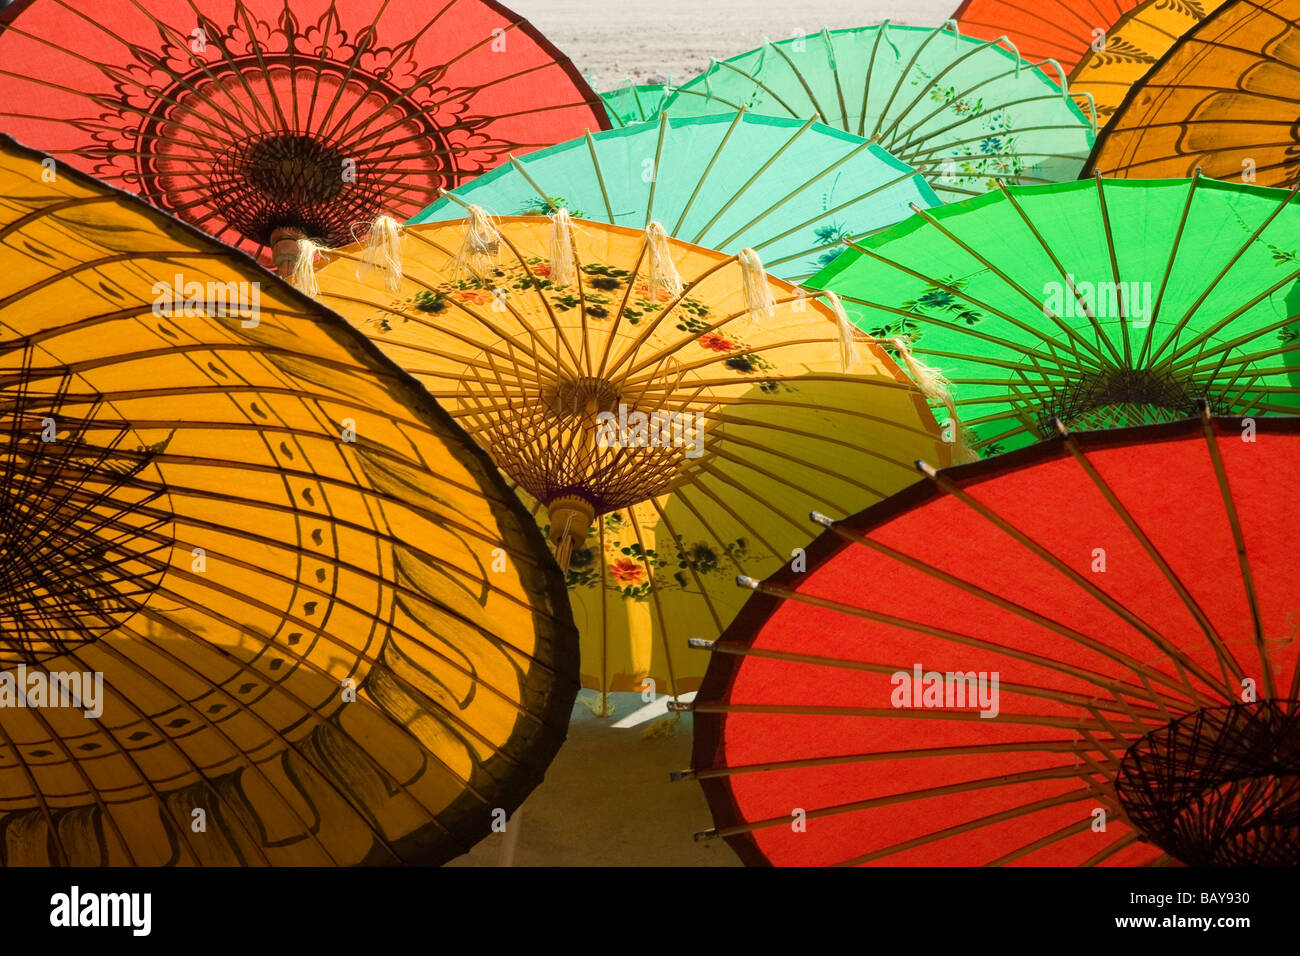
<point>571,519</point>
<point>1219,787</point>
<point>287,163</point>
<point>1117,397</point>
<point>583,397</point>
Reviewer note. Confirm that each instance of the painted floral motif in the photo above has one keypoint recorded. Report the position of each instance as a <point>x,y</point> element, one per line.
<point>717,343</point>
<point>830,235</point>
<point>630,568</point>
<point>1281,257</point>
<point>989,156</point>
<point>537,206</point>
<point>626,572</point>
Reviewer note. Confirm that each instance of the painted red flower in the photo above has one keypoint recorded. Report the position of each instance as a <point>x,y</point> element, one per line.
<point>542,270</point>
<point>716,343</point>
<point>660,294</point>
<point>476,296</point>
<point>627,571</point>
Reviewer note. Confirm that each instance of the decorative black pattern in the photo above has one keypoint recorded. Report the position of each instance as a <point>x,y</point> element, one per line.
<point>1219,787</point>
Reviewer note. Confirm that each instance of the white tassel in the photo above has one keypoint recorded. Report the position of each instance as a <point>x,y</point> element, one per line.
<point>663,274</point>
<point>383,250</point>
<point>848,334</point>
<point>481,248</point>
<point>564,271</point>
<point>599,704</point>
<point>304,270</point>
<point>760,303</point>
<point>937,390</point>
<point>929,380</point>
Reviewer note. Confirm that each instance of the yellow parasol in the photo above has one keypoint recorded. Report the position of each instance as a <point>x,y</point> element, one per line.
<point>1119,58</point>
<point>263,602</point>
<point>670,413</point>
<point>1223,100</point>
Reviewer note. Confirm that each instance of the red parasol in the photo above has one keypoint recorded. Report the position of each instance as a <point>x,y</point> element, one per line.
<point>1060,30</point>
<point>246,117</point>
<point>1082,652</point>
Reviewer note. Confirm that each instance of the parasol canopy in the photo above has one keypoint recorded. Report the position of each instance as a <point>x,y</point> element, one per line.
<point>963,111</point>
<point>1225,99</point>
<point>1060,30</point>
<point>298,617</point>
<point>1101,302</point>
<point>248,117</point>
<point>667,412</point>
<point>634,103</point>
<point>1135,43</point>
<point>1081,653</point>
<point>789,189</point>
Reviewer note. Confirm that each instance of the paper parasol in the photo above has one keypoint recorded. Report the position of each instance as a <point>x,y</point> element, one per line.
<point>1102,302</point>
<point>789,189</point>
<point>1060,30</point>
<point>666,420</point>
<point>322,628</point>
<point>634,103</point>
<point>262,119</point>
<point>1131,47</point>
<point>1225,100</point>
<point>963,111</point>
<point>1081,653</point>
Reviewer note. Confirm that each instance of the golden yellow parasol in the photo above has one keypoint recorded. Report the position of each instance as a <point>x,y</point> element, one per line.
<point>670,413</point>
<point>1119,58</point>
<point>1224,99</point>
<point>263,602</point>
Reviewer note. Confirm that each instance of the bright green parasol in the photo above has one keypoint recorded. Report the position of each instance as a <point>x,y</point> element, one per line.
<point>1101,302</point>
<point>789,189</point>
<point>965,112</point>
<point>634,102</point>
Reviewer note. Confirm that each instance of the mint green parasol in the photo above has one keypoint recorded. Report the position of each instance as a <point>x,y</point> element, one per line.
<point>965,112</point>
<point>789,189</point>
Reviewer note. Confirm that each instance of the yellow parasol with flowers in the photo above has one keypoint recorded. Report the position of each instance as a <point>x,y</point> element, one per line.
<point>669,413</point>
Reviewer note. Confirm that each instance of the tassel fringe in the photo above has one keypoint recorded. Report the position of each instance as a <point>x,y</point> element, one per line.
<point>564,271</point>
<point>303,277</point>
<point>663,274</point>
<point>937,390</point>
<point>599,704</point>
<point>849,357</point>
<point>760,303</point>
<point>929,380</point>
<point>383,250</point>
<point>481,249</point>
<point>665,726</point>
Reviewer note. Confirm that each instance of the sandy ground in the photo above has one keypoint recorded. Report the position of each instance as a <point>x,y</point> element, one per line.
<point>607,801</point>
<point>611,41</point>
